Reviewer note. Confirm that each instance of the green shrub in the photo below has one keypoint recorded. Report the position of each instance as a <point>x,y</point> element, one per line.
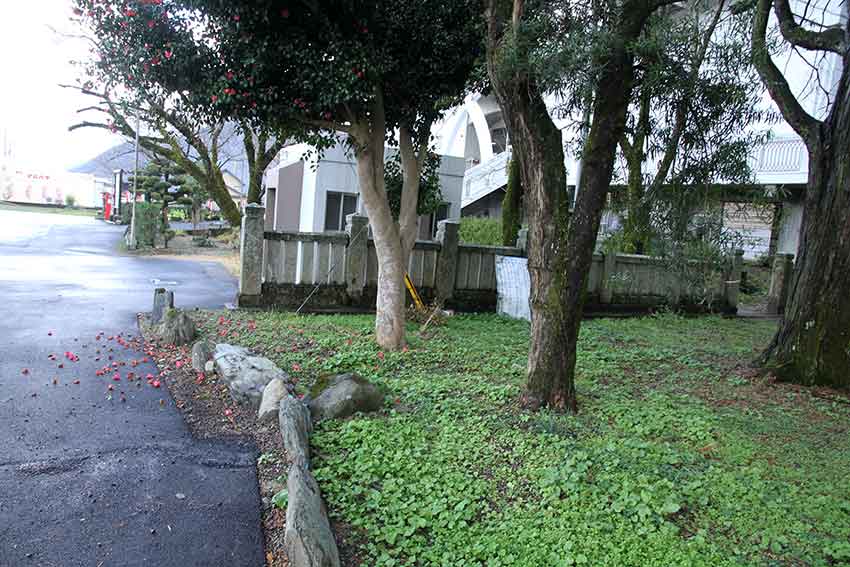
<point>148,224</point>
<point>70,200</point>
<point>474,230</point>
<point>512,205</point>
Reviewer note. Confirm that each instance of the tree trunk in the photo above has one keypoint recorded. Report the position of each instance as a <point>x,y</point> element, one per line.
<point>812,345</point>
<point>390,244</point>
<point>560,248</point>
<point>636,225</point>
<point>255,187</point>
<point>217,189</point>
<point>550,379</point>
<point>538,150</point>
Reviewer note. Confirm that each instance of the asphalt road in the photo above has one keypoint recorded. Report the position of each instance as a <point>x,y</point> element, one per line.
<point>86,479</point>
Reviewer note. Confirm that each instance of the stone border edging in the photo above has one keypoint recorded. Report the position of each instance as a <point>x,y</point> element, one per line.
<point>308,538</point>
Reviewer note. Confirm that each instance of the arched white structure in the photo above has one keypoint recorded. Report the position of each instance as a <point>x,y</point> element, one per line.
<point>456,126</point>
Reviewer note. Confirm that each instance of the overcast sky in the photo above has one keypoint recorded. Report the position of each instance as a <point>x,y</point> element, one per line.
<point>34,110</point>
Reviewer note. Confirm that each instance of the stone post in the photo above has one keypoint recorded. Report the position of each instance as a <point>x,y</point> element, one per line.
<point>356,254</point>
<point>271,204</point>
<point>251,254</point>
<point>448,237</point>
<point>606,288</point>
<point>522,240</point>
<point>163,300</point>
<point>732,285</point>
<point>780,279</point>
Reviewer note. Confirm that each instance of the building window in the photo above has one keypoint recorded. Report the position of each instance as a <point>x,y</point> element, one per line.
<point>337,207</point>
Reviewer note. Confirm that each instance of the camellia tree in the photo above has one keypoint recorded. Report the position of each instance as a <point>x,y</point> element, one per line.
<point>812,345</point>
<point>374,71</point>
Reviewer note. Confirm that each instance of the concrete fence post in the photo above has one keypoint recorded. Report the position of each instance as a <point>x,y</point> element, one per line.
<point>522,240</point>
<point>780,279</point>
<point>356,254</point>
<point>606,287</point>
<point>448,236</point>
<point>251,255</point>
<point>732,284</point>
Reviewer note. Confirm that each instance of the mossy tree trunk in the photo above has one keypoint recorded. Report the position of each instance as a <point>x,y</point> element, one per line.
<point>512,204</point>
<point>636,226</point>
<point>560,247</point>
<point>260,150</point>
<point>812,344</point>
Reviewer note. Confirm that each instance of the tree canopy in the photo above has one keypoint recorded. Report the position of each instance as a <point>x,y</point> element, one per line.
<point>378,71</point>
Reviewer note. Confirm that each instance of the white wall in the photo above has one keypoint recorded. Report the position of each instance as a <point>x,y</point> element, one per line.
<point>789,230</point>
<point>337,172</point>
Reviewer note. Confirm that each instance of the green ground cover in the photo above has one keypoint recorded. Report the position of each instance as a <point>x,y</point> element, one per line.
<point>679,455</point>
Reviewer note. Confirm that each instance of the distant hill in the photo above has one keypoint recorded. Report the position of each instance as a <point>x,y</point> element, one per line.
<point>122,156</point>
<point>103,165</point>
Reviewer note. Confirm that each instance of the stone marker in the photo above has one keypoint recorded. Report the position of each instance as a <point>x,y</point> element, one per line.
<point>342,395</point>
<point>201,354</point>
<point>246,374</point>
<point>273,393</point>
<point>175,327</point>
<point>162,300</point>
<point>308,538</point>
<point>295,428</point>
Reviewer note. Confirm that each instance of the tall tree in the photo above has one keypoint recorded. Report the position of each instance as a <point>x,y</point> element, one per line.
<point>366,69</point>
<point>812,344</point>
<point>691,114</point>
<point>201,148</point>
<point>560,244</point>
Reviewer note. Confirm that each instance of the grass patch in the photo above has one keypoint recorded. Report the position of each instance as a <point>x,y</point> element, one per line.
<point>73,211</point>
<point>679,456</point>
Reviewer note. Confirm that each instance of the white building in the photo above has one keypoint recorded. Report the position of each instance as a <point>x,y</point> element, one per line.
<point>306,194</point>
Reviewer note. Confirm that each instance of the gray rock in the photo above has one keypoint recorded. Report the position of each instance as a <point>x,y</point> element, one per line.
<point>201,354</point>
<point>175,328</point>
<point>308,538</point>
<point>246,374</point>
<point>272,394</point>
<point>273,486</point>
<point>162,300</point>
<point>342,395</point>
<point>295,428</point>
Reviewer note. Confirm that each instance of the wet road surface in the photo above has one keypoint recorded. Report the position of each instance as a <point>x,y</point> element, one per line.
<point>86,479</point>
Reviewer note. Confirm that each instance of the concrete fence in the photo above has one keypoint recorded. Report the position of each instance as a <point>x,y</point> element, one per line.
<point>780,282</point>
<point>631,281</point>
<point>339,270</point>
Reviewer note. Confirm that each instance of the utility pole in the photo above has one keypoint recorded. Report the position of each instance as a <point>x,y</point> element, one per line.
<point>131,242</point>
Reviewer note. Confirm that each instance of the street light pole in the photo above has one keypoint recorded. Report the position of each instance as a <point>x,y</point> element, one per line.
<point>131,244</point>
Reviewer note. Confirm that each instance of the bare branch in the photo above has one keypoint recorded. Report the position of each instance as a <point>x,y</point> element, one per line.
<point>801,121</point>
<point>830,39</point>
